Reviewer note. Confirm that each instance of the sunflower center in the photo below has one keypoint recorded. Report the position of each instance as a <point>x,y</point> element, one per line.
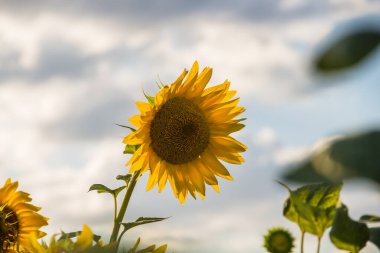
<point>280,242</point>
<point>9,227</point>
<point>179,131</point>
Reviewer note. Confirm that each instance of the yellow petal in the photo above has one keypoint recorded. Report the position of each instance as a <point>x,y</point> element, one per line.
<point>228,157</point>
<point>135,120</point>
<point>216,166</point>
<point>196,178</point>
<point>201,82</point>
<point>191,77</point>
<point>143,107</point>
<point>84,241</point>
<point>228,143</point>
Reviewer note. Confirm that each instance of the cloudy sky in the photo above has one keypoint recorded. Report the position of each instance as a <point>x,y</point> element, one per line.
<point>70,70</point>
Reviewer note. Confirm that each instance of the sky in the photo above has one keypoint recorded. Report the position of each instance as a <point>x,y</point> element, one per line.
<point>70,70</point>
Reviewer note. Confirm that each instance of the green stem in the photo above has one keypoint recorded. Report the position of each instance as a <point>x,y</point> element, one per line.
<point>115,207</point>
<point>123,208</point>
<point>319,244</point>
<point>302,240</point>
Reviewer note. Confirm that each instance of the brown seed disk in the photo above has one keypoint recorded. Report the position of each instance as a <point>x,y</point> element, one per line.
<point>179,131</point>
<point>9,228</point>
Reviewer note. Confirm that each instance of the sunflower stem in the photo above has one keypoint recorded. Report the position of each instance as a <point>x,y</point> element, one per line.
<point>319,244</point>
<point>115,208</point>
<point>302,240</point>
<point>123,208</point>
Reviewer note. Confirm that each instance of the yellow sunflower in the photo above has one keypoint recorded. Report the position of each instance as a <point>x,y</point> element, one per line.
<point>18,218</point>
<point>183,132</point>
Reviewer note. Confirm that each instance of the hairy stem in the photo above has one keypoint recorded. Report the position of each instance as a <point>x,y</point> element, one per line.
<point>123,208</point>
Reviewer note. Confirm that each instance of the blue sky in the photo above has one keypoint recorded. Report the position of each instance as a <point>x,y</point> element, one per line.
<point>69,71</point>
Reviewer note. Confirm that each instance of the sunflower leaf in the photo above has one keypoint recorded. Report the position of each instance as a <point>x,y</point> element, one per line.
<point>348,51</point>
<point>161,249</point>
<point>375,236</point>
<point>150,249</point>
<point>355,155</point>
<point>348,234</point>
<point>141,221</point>
<point>125,178</point>
<point>104,189</point>
<point>369,218</point>
<point>313,207</point>
<point>118,190</point>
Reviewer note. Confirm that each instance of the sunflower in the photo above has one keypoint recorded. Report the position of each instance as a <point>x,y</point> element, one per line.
<point>279,240</point>
<point>18,218</point>
<point>183,132</point>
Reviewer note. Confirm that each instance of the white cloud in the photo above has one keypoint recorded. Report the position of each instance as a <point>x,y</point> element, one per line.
<point>266,137</point>
<point>291,155</point>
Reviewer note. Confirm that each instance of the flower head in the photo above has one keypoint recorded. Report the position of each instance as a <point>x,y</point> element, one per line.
<point>183,132</point>
<point>279,240</point>
<point>18,218</point>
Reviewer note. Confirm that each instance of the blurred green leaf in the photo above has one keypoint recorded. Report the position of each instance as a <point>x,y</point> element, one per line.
<point>369,218</point>
<point>348,51</point>
<point>141,221</point>
<point>347,157</point>
<point>375,236</point>
<point>348,234</point>
<point>312,207</point>
<point>104,189</point>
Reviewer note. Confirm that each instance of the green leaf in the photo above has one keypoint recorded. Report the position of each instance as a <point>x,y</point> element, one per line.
<point>347,234</point>
<point>161,249</point>
<point>150,249</point>
<point>348,51</point>
<point>375,236</point>
<point>118,190</point>
<point>131,149</point>
<point>134,248</point>
<point>149,98</point>
<point>141,221</point>
<point>125,178</point>
<point>369,218</point>
<point>100,188</point>
<point>130,128</point>
<point>312,207</point>
<point>351,156</point>
<point>104,189</point>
